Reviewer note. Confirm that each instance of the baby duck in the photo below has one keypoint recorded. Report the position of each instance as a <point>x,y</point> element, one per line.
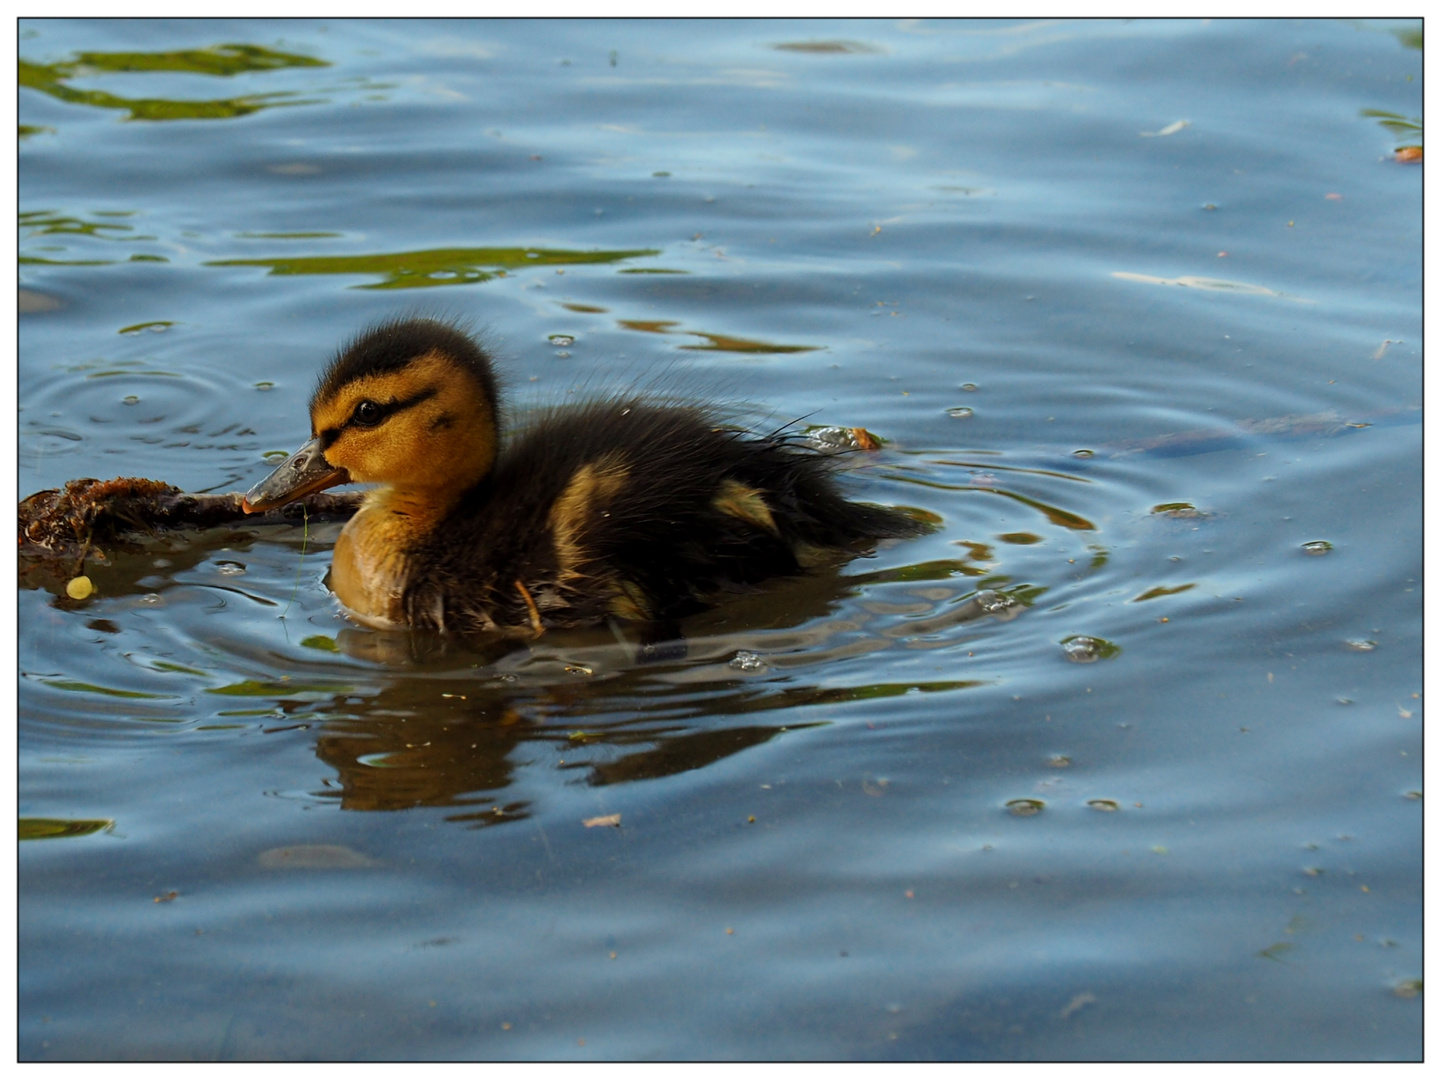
<point>614,508</point>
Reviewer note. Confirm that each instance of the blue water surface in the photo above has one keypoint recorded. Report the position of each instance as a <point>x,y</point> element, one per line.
<point>1123,761</point>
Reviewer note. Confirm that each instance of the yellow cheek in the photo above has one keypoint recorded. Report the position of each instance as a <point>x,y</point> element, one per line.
<point>389,454</point>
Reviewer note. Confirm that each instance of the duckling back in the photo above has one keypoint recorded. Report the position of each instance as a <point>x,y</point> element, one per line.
<point>633,510</point>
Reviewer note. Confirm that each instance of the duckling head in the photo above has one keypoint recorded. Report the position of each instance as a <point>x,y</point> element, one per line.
<point>410,405</point>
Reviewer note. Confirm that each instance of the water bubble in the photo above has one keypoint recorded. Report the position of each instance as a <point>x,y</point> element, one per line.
<point>562,340</point>
<point>961,412</point>
<point>275,456</point>
<point>990,601</point>
<point>970,386</point>
<point>1080,649</point>
<point>1083,453</point>
<point>264,385</point>
<point>1316,547</point>
<point>563,353</point>
<point>1025,807</point>
<point>1360,644</point>
<point>747,661</point>
<point>230,569</point>
<point>130,399</point>
<point>152,599</point>
<point>1058,761</point>
<point>1109,806</point>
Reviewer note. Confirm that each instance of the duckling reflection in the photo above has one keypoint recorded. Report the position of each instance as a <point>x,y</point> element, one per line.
<point>620,508</point>
<point>454,743</point>
<point>451,736</point>
<point>414,744</point>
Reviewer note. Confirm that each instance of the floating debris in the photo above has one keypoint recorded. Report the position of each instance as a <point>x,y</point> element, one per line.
<point>70,522</point>
<point>836,439</point>
<point>1161,590</point>
<point>1177,510</point>
<point>55,828</point>
<point>1316,547</point>
<point>837,47</point>
<point>1275,951</point>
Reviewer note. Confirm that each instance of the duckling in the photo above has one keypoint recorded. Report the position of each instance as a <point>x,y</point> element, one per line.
<point>617,508</point>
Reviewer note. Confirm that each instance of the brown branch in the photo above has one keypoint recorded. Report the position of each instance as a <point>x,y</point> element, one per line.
<point>86,514</point>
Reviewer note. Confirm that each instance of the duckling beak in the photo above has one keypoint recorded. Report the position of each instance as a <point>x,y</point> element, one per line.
<point>302,473</point>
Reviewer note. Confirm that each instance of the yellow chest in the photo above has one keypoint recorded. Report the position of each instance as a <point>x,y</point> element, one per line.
<point>371,563</point>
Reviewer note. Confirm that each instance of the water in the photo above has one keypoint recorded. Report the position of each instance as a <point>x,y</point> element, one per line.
<point>1124,761</point>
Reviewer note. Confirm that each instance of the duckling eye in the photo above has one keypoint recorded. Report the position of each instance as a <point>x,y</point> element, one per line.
<point>367,413</point>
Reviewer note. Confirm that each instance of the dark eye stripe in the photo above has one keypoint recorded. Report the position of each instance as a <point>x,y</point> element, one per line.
<point>387,409</point>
